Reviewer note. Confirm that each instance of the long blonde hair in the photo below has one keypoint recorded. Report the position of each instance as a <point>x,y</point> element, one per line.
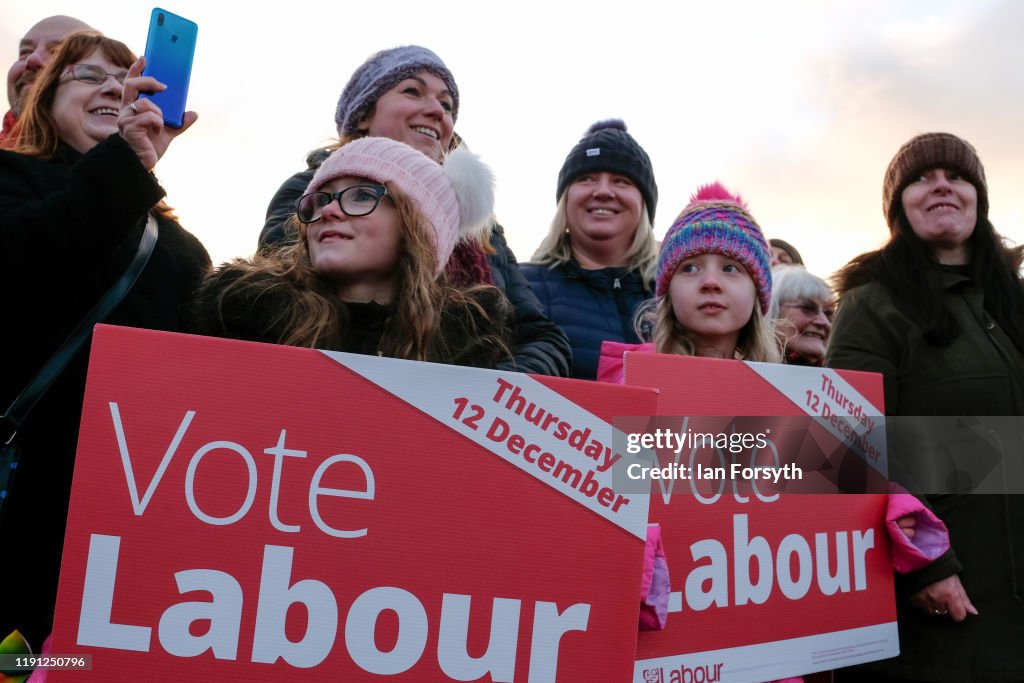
<point>757,341</point>
<point>556,248</point>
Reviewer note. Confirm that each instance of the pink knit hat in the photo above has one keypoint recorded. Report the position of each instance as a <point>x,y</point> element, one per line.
<point>457,198</point>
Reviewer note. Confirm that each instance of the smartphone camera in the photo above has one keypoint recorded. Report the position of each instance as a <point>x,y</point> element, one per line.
<point>160,19</point>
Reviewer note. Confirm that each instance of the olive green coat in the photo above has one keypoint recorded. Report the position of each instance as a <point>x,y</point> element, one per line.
<point>980,373</point>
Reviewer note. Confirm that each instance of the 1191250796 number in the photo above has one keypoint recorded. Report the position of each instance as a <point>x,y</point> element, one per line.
<point>12,663</point>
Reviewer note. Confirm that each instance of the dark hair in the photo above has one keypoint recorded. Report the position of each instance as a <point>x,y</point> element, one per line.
<point>906,268</point>
<point>788,248</point>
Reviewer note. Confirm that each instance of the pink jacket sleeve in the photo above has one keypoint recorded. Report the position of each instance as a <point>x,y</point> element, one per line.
<point>654,583</point>
<point>611,366</point>
<point>931,538</point>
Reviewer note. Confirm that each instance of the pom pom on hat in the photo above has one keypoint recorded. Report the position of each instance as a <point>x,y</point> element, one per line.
<point>608,146</point>
<point>457,200</point>
<point>606,124</point>
<point>473,183</point>
<point>713,191</point>
<point>717,222</point>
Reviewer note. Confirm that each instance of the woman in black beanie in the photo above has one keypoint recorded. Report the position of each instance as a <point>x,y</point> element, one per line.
<point>597,263</point>
<point>939,311</point>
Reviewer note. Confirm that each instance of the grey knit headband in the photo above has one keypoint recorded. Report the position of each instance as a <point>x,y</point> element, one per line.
<point>380,73</point>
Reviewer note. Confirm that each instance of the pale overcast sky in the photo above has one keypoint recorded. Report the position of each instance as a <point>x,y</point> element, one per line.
<point>797,105</point>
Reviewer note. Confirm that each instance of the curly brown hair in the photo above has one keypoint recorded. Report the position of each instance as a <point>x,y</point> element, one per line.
<point>433,321</point>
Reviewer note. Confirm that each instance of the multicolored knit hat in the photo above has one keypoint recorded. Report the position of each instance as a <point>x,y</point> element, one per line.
<point>607,146</point>
<point>380,73</point>
<point>457,198</point>
<point>717,222</point>
<point>931,150</point>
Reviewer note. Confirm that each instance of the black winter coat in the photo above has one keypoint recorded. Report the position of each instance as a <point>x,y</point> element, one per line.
<point>68,229</point>
<point>260,312</point>
<point>541,346</point>
<point>590,305</point>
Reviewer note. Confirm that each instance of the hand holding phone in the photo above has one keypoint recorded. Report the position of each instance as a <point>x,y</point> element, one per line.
<point>170,47</point>
<point>140,121</point>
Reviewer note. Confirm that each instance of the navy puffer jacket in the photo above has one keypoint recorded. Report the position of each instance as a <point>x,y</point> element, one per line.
<point>590,306</point>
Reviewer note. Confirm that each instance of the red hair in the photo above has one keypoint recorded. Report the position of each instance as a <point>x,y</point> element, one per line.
<point>35,133</point>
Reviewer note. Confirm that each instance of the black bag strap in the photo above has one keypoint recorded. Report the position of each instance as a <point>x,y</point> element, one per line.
<point>16,413</point>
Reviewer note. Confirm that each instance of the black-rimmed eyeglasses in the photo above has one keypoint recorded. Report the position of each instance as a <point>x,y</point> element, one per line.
<point>92,74</point>
<point>355,201</point>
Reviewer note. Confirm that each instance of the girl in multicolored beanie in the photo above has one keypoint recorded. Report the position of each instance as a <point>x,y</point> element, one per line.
<point>713,287</point>
<point>714,282</point>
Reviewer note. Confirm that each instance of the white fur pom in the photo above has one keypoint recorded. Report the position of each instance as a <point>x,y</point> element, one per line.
<point>473,183</point>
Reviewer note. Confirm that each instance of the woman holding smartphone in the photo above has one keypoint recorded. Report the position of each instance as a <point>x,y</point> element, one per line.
<point>408,94</point>
<point>76,193</point>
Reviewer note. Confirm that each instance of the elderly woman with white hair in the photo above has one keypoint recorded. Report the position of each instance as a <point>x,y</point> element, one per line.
<point>802,308</point>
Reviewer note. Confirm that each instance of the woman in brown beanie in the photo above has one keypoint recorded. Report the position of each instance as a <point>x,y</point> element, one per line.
<point>939,311</point>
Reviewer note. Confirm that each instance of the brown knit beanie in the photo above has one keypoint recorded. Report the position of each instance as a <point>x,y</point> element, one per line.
<point>931,150</point>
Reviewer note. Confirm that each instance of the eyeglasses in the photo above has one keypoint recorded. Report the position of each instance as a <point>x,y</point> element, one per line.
<point>93,75</point>
<point>355,201</point>
<point>811,309</point>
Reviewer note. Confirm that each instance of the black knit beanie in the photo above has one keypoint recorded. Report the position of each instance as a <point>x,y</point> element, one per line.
<point>606,146</point>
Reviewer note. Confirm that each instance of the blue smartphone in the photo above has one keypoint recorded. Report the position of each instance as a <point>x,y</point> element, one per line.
<point>170,47</point>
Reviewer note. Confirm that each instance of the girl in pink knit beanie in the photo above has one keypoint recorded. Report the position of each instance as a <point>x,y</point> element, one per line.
<point>377,225</point>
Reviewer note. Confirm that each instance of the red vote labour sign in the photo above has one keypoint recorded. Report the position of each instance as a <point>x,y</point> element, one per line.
<point>252,512</point>
<point>766,581</point>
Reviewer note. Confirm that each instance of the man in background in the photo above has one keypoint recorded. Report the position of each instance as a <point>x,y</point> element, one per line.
<point>33,53</point>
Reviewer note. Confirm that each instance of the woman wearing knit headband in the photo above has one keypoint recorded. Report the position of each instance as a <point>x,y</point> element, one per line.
<point>939,311</point>
<point>408,94</point>
<point>377,225</point>
<point>596,264</point>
